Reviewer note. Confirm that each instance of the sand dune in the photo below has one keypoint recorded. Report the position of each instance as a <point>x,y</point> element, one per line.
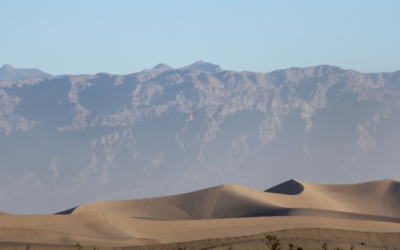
<point>217,212</point>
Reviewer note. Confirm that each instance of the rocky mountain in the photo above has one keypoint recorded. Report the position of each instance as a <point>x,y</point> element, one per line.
<point>75,139</point>
<point>9,73</point>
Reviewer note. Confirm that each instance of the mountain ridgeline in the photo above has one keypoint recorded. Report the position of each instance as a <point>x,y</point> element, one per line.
<point>74,139</point>
<point>9,73</point>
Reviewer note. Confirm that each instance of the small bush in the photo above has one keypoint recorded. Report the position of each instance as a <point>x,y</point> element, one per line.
<point>273,243</point>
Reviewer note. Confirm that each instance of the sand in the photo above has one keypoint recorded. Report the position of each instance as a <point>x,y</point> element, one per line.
<point>222,217</point>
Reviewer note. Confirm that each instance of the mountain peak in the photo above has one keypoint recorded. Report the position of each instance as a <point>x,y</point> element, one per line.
<point>200,62</point>
<point>9,73</point>
<point>7,67</point>
<point>163,67</point>
<point>204,66</point>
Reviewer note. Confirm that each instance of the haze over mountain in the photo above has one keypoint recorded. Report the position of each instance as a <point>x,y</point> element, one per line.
<point>70,140</point>
<point>9,73</point>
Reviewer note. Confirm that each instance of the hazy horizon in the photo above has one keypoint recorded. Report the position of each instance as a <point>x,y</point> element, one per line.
<point>124,37</point>
<point>183,66</point>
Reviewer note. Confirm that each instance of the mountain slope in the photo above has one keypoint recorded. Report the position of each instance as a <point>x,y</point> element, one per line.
<point>165,131</point>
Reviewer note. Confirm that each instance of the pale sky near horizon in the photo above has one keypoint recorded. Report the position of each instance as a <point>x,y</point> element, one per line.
<point>120,37</point>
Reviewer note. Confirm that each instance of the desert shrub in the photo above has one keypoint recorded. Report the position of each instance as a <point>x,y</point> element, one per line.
<point>181,247</point>
<point>273,243</point>
<point>324,246</point>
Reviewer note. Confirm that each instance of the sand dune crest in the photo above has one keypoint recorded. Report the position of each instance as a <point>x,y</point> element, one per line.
<point>222,211</point>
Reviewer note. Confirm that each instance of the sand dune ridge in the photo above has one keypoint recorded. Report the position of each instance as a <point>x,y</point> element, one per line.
<point>222,211</point>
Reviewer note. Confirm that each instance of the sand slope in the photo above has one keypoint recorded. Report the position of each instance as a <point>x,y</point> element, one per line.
<point>222,211</point>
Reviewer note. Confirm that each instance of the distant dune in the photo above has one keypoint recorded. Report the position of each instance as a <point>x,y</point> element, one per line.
<point>320,212</point>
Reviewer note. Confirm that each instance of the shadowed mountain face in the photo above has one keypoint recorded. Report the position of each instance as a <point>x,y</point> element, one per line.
<point>9,73</point>
<point>74,139</point>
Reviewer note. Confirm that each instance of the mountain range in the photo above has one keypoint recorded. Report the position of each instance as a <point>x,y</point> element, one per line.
<point>74,139</point>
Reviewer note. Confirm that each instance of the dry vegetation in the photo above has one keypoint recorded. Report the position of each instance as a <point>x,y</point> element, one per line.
<point>295,239</point>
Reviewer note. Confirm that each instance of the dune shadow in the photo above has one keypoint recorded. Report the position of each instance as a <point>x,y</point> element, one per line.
<point>290,187</point>
<point>68,211</point>
<point>321,213</point>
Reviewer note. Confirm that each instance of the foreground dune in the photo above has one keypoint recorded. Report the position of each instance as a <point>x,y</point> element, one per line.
<point>226,211</point>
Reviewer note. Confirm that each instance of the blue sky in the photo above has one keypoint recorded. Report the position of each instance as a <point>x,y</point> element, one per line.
<point>121,37</point>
